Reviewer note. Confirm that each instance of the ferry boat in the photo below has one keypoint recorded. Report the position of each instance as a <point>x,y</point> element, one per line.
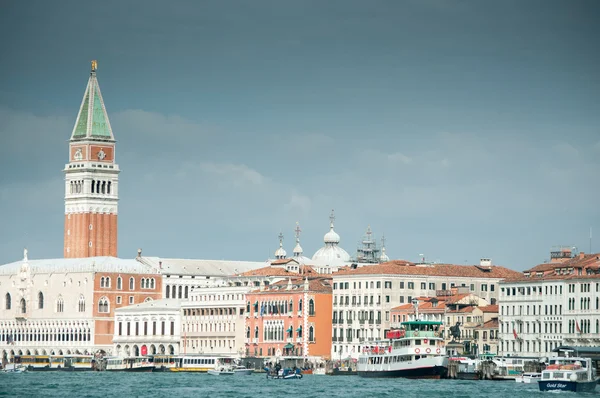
<point>417,350</point>
<point>75,363</point>
<point>569,374</point>
<point>509,368</point>
<point>195,363</point>
<point>130,364</point>
<point>162,363</point>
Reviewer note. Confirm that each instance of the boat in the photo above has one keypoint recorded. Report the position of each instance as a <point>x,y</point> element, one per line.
<point>575,374</point>
<point>130,364</point>
<point>284,374</point>
<point>223,371</point>
<point>34,363</point>
<point>77,363</point>
<point>13,368</point>
<point>463,368</point>
<point>242,370</point>
<point>194,363</point>
<point>162,363</point>
<point>528,378</point>
<point>416,350</point>
<point>509,368</point>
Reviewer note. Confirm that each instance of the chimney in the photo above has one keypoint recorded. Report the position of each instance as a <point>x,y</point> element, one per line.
<point>581,255</point>
<point>139,253</point>
<point>160,265</point>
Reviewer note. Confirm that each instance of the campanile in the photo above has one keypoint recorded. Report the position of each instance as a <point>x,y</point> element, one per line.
<point>91,180</point>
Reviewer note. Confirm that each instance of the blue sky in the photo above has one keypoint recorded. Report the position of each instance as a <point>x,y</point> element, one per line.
<point>459,130</point>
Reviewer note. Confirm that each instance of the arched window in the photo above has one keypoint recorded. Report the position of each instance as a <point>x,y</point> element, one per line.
<point>311,333</point>
<point>40,300</point>
<point>8,301</point>
<point>173,291</point>
<point>291,306</point>
<point>300,305</point>
<point>180,291</point>
<point>248,332</point>
<point>23,305</point>
<point>119,283</point>
<point>108,281</point>
<point>256,332</point>
<point>143,283</point>
<point>168,291</point>
<point>60,304</point>
<point>103,305</point>
<point>152,284</point>
<point>186,292</point>
<point>102,282</point>
<point>131,283</point>
<point>311,307</point>
<point>81,303</point>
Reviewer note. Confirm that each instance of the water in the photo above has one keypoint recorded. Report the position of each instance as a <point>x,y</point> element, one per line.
<point>183,385</point>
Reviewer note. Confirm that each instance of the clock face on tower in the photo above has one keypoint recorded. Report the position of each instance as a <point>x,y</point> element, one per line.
<point>101,155</point>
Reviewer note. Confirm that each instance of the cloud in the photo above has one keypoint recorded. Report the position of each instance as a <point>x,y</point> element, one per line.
<point>298,203</point>
<point>239,174</point>
<point>399,158</point>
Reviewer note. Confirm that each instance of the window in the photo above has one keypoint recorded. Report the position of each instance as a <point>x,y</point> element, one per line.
<point>378,284</point>
<point>81,303</point>
<point>311,333</point>
<point>411,285</point>
<point>120,328</point>
<point>484,287</point>
<point>131,283</point>
<point>130,299</point>
<point>472,287</point>
<point>23,305</point>
<point>172,328</point>
<point>8,301</point>
<point>432,286</point>
<point>423,285</point>
<point>103,306</point>
<point>311,307</point>
<point>152,283</point>
<point>60,304</point>
<point>119,283</point>
<point>41,300</point>
<point>118,299</point>
<point>401,285</point>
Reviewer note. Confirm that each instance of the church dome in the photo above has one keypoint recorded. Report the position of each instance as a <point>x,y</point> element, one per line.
<point>331,254</point>
<point>331,236</point>
<point>384,257</point>
<point>280,253</point>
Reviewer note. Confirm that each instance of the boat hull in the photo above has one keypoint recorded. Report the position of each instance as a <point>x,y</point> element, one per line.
<point>286,377</point>
<point>431,372</point>
<point>243,372</point>
<point>138,369</point>
<point>556,385</point>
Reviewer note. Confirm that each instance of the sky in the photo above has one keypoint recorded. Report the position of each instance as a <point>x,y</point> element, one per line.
<point>457,129</point>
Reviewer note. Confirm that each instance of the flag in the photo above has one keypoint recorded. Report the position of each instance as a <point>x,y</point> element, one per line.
<point>577,327</point>
<point>515,333</point>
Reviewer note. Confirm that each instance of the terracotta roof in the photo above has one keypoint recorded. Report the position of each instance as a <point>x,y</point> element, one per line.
<point>491,324</point>
<point>468,308</point>
<point>490,308</point>
<point>278,271</point>
<point>283,261</point>
<point>587,264</point>
<point>321,285</point>
<point>401,267</point>
<point>457,297</point>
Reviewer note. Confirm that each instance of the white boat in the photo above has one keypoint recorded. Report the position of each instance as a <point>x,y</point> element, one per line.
<point>415,351</point>
<point>242,370</point>
<point>223,371</point>
<point>130,364</point>
<point>569,374</point>
<point>528,378</point>
<point>14,368</point>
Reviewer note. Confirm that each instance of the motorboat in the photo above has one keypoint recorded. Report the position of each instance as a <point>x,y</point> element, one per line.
<point>13,368</point>
<point>222,371</point>
<point>239,370</point>
<point>528,378</point>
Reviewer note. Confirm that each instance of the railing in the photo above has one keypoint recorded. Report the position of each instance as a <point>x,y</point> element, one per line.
<point>255,340</point>
<point>420,333</point>
<point>298,339</point>
<point>334,321</point>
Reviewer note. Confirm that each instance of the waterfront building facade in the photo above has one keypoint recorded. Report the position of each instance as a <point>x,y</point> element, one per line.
<point>550,305</point>
<point>363,297</point>
<point>290,318</point>
<point>67,306</point>
<point>149,328</point>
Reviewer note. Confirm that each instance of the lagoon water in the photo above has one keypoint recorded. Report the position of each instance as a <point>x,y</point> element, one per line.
<point>103,384</point>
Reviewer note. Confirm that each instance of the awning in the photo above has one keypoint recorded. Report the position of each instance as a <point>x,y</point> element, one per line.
<point>290,329</point>
<point>256,304</point>
<point>288,346</point>
<point>299,329</point>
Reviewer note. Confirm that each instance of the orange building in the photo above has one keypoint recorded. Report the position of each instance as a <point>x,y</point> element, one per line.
<point>290,318</point>
<point>115,290</point>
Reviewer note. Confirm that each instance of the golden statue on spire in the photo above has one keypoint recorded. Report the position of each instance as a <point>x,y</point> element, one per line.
<point>94,65</point>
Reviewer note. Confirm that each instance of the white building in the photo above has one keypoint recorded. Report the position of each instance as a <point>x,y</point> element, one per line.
<point>550,305</point>
<point>149,328</point>
<point>364,296</point>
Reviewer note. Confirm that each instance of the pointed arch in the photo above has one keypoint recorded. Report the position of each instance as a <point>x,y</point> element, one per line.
<point>131,283</point>
<point>311,333</point>
<point>81,303</point>
<point>40,300</point>
<point>311,307</point>
<point>23,306</point>
<point>103,305</point>
<point>60,304</point>
<point>8,300</point>
<point>152,283</point>
<point>119,283</point>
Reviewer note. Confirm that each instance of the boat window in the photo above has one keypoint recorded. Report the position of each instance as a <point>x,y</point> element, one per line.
<point>417,342</point>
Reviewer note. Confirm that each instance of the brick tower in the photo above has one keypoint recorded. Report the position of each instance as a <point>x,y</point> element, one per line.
<point>91,180</point>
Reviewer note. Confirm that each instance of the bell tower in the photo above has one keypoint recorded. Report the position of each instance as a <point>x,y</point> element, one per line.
<point>91,180</point>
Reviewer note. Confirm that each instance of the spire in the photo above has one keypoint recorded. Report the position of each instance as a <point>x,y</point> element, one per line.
<point>92,119</point>
<point>280,253</point>
<point>384,257</point>
<point>298,248</point>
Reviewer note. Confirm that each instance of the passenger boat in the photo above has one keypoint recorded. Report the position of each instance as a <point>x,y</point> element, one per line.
<point>284,374</point>
<point>13,368</point>
<point>528,378</point>
<point>222,371</point>
<point>509,368</point>
<point>417,350</point>
<point>463,368</point>
<point>34,363</point>
<point>193,363</point>
<point>242,370</point>
<point>569,374</point>
<point>130,364</point>
<point>76,363</point>
<point>162,363</point>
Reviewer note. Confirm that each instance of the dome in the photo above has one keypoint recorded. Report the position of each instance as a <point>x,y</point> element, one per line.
<point>384,257</point>
<point>331,236</point>
<point>331,255</point>
<point>298,250</point>
<point>280,253</point>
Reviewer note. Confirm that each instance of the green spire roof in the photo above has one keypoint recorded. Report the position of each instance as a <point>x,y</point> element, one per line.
<point>92,120</point>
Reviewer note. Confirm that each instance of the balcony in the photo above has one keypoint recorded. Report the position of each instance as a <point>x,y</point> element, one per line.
<point>378,322</point>
<point>371,321</point>
<point>334,339</point>
<point>290,340</point>
<point>299,340</point>
<point>247,340</point>
<point>334,321</point>
<point>255,340</point>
